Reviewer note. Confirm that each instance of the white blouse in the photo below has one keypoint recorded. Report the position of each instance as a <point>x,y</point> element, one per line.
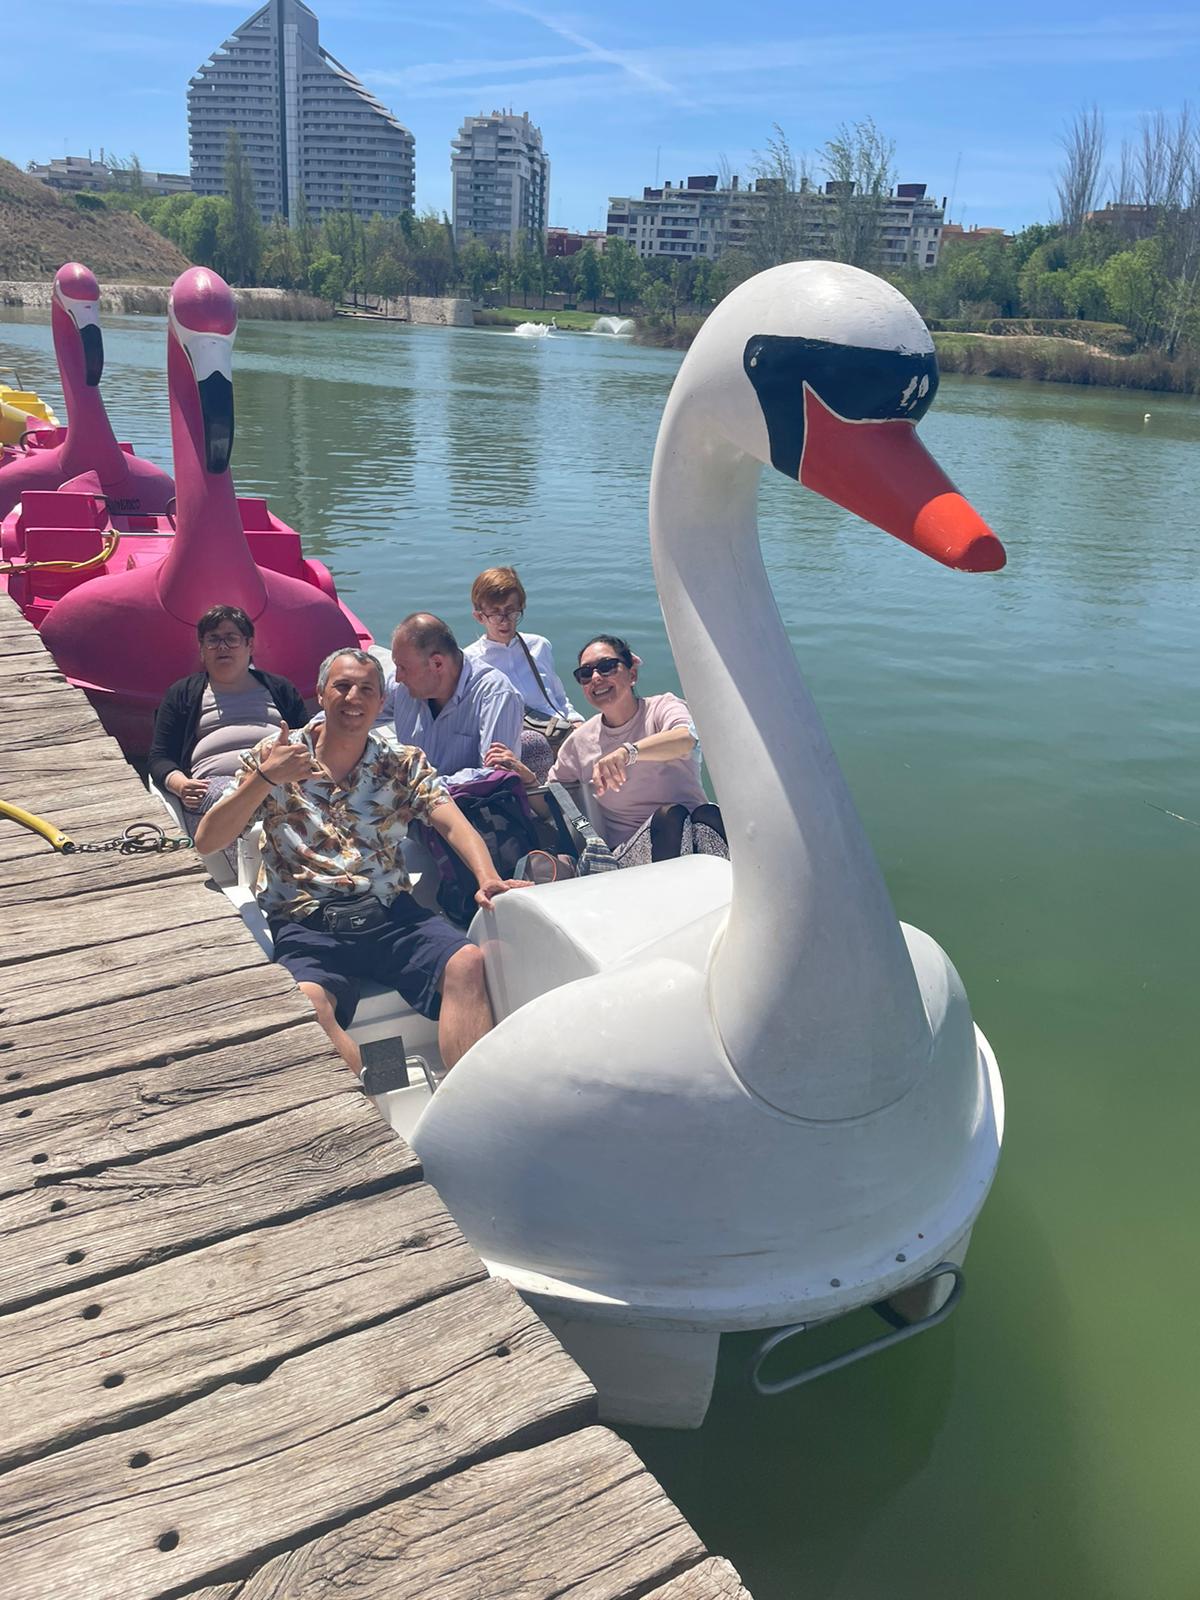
<point>510,659</point>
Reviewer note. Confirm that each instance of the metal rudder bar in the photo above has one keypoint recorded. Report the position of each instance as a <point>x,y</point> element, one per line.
<point>900,1331</point>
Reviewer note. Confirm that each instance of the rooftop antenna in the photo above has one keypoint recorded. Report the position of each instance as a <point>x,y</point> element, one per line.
<point>953,186</point>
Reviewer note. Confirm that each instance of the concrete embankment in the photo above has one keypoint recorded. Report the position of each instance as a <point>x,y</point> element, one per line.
<point>276,305</point>
<point>443,311</point>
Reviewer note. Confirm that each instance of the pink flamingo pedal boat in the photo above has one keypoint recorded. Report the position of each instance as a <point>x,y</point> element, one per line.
<point>54,457</point>
<point>124,627</point>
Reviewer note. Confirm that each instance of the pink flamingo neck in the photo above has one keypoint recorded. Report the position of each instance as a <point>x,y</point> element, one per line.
<point>90,443</point>
<point>209,561</point>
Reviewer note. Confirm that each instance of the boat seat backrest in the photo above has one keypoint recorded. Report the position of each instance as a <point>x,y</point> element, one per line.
<point>538,939</point>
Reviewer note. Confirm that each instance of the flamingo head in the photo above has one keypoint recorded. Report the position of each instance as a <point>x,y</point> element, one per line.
<point>77,294</point>
<point>202,323</point>
<point>834,370</point>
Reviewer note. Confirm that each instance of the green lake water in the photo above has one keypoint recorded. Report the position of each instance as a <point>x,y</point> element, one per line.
<point>1010,740</point>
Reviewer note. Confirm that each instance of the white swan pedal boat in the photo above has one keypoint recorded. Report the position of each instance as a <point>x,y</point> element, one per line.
<point>724,1096</point>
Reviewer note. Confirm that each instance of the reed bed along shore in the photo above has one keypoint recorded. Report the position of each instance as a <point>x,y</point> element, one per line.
<point>1043,359</point>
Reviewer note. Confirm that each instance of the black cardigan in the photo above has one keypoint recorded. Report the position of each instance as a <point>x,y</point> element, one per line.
<point>178,719</point>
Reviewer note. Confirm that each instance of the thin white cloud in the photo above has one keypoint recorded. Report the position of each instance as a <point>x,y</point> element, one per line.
<point>627,61</point>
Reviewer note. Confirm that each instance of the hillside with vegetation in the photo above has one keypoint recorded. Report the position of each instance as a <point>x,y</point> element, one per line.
<point>40,229</point>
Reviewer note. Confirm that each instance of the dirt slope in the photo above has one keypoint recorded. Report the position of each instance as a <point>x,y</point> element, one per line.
<point>40,229</point>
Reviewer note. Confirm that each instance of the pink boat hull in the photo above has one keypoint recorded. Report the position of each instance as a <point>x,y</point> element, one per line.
<point>66,525</point>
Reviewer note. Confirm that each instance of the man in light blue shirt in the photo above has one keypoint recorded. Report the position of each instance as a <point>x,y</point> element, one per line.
<point>448,706</point>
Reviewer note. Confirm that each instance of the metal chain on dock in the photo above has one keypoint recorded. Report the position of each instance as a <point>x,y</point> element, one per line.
<point>138,839</point>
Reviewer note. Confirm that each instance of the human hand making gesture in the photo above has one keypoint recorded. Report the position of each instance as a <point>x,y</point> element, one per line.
<point>286,763</point>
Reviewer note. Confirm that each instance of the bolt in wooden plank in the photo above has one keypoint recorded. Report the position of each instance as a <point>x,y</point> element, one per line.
<point>83,1230</point>
<point>250,1469</point>
<point>155,1107</point>
<point>180,1329</point>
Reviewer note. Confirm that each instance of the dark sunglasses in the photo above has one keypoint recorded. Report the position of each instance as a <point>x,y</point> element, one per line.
<point>606,666</point>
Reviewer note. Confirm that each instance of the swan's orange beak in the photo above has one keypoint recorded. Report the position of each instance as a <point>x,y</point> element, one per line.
<point>882,472</point>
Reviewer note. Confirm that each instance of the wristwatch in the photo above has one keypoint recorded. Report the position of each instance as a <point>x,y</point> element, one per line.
<point>631,752</point>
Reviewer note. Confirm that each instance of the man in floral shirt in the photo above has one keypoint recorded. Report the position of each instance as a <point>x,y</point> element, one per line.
<point>335,800</point>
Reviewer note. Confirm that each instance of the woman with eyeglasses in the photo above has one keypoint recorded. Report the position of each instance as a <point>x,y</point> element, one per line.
<point>206,720</point>
<point>526,659</point>
<point>641,758</point>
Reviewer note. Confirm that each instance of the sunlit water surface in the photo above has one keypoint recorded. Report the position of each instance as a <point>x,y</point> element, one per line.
<point>1014,742</point>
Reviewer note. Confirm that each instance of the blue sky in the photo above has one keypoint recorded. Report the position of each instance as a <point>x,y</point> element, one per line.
<point>627,91</point>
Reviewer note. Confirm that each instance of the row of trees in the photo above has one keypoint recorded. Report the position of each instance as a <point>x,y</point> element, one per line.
<point>1125,249</point>
<point>1135,262</point>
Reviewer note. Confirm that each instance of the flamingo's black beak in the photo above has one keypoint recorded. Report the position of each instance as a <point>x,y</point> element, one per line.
<point>93,353</point>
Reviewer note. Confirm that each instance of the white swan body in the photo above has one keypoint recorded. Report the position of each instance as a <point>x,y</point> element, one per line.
<point>727,1096</point>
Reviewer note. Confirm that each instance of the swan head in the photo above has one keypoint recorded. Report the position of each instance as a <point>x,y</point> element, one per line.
<point>77,293</point>
<point>202,323</point>
<point>822,371</point>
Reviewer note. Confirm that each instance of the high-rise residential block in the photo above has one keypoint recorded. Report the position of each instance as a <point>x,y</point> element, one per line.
<point>699,221</point>
<point>315,137</point>
<point>501,179</point>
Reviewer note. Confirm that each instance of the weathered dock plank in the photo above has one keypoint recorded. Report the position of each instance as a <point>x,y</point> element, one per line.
<point>714,1579</point>
<point>203,1015</point>
<point>162,1104</point>
<point>577,1517</point>
<point>127,968</point>
<point>82,1230</point>
<point>326,1434</point>
<point>180,1329</point>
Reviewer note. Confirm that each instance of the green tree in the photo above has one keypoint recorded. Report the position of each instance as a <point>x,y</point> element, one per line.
<point>623,272</point>
<point>200,231</point>
<point>1135,288</point>
<point>241,233</point>
<point>327,277</point>
<point>858,159</point>
<point>478,267</point>
<point>782,192</point>
<point>279,260</point>
<point>591,275</point>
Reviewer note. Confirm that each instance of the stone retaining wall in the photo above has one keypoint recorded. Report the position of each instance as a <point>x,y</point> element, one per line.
<point>151,300</point>
<point>446,311</point>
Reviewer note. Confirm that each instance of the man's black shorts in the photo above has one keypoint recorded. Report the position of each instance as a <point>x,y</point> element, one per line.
<point>409,953</point>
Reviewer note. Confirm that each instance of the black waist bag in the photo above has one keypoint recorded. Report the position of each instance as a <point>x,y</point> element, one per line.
<point>353,917</point>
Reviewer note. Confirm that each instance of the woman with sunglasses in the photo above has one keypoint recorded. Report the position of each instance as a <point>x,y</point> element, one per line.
<point>641,758</point>
<point>207,720</point>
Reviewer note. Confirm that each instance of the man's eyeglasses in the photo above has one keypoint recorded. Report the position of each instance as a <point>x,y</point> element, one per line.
<point>213,641</point>
<point>606,666</point>
<point>510,614</point>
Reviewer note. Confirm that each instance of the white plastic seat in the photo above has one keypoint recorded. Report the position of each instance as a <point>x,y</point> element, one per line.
<point>539,939</point>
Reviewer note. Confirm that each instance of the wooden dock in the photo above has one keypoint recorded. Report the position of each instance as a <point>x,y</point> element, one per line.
<point>246,1352</point>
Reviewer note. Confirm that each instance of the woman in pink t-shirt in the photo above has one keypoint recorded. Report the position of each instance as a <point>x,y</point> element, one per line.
<point>641,758</point>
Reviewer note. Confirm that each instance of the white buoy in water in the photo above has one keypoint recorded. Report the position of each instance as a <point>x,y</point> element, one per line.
<point>1146,418</point>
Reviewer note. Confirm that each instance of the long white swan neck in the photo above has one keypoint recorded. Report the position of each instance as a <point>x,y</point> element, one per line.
<point>812,988</point>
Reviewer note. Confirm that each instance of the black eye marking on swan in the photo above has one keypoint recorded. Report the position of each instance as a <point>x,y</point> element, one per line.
<point>858,384</point>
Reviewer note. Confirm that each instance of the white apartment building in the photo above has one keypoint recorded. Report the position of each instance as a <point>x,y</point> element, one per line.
<point>315,137</point>
<point>699,221</point>
<point>501,179</point>
<point>81,172</point>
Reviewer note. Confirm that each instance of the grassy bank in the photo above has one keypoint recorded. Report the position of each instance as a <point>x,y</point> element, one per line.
<point>1065,361</point>
<point>513,316</point>
<point>1044,359</point>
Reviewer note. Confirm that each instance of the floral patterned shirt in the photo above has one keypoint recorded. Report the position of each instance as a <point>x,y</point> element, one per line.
<point>324,840</point>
